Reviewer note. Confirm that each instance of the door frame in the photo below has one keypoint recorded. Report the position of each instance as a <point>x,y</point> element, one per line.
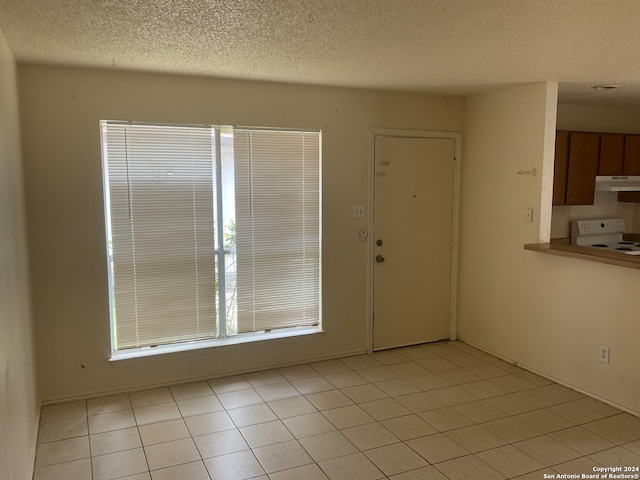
<point>457,139</point>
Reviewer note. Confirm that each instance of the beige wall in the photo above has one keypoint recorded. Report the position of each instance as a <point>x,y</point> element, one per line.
<point>547,313</point>
<point>61,109</point>
<point>19,406</point>
<point>596,119</point>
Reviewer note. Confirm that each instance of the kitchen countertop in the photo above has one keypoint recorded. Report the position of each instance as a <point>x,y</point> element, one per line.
<point>563,248</point>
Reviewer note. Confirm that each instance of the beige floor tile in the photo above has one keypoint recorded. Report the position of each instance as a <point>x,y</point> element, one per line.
<point>252,415</point>
<point>351,467</point>
<point>396,458</point>
<point>119,465</point>
<point>512,383</point>
<point>581,440</point>
<point>350,416</point>
<point>199,405</point>
<point>546,450</point>
<point>483,389</point>
<point>346,379</point>
<point>111,421</point>
<point>389,357</point>
<point>308,425</point>
<point>419,402</point>
<point>156,413</point>
<point>108,404</point>
<point>475,438</point>
<point>408,369</point>
<point>267,377</point>
<point>239,398</point>
<point>220,443</point>
<point>378,374</point>
<point>277,391</point>
<point>298,372</point>
<point>331,398</point>
<point>603,408</point>
<point>282,456</point>
<point>76,470</point>
<point>463,359</point>
<point>327,445</point>
<point>543,396</point>
<point>368,436</point>
<point>51,432</point>
<point>385,408</point>
<point>533,378</point>
<point>425,473</point>
<point>266,434</point>
<point>191,390</point>
<point>209,423</point>
<point>616,457</point>
<point>416,352</point>
<point>308,386</point>
<point>633,447</point>
<point>397,387</point>
<point>229,384</point>
<point>408,427</point>
<point>234,466</point>
<point>65,411</point>
<point>115,441</point>
<point>537,475</point>
<point>580,466</point>
<point>291,407</point>
<point>187,471</point>
<point>613,431</point>
<point>429,381</point>
<point>452,395</point>
<point>137,476</point>
<point>575,413</point>
<point>306,472</point>
<point>442,348</point>
<point>364,393</point>
<point>544,421</point>
<point>163,432</point>
<point>436,364</point>
<point>568,393</point>
<point>511,404</point>
<point>172,453</point>
<point>510,430</point>
<point>458,376</point>
<point>62,451</point>
<point>358,362</point>
<point>479,411</point>
<point>627,419</point>
<point>437,448</point>
<point>444,419</point>
<point>155,396</point>
<point>468,467</point>
<point>507,367</point>
<point>330,367</point>
<point>486,371</point>
<point>510,461</point>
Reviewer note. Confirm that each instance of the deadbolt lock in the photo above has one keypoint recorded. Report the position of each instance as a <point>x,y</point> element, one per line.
<point>379,258</point>
<point>379,242</point>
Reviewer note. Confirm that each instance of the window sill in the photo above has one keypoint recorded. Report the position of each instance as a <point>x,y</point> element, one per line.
<point>127,357</point>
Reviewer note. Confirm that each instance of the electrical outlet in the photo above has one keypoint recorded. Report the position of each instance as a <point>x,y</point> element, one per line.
<point>81,365</point>
<point>604,354</point>
<point>528,215</point>
<point>192,367</point>
<point>358,211</point>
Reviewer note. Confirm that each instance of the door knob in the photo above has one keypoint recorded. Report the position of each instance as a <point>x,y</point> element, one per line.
<point>379,242</point>
<point>379,258</point>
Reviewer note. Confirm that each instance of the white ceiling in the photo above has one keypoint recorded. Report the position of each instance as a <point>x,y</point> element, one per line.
<point>440,46</point>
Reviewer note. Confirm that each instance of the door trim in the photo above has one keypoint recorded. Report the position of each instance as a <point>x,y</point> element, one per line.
<point>457,139</point>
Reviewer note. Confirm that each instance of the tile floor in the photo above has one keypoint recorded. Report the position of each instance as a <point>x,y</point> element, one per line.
<point>437,411</point>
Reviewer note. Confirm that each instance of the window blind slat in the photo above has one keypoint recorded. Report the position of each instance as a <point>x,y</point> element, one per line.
<point>278,228</point>
<point>160,194</point>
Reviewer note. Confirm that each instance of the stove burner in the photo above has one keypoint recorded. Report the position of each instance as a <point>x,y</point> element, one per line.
<point>624,249</point>
<point>601,245</point>
<point>625,243</point>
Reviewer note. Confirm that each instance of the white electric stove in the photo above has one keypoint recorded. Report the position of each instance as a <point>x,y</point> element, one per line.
<point>604,234</point>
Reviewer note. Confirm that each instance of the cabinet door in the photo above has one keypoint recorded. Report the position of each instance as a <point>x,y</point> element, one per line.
<point>632,155</point>
<point>560,168</point>
<point>584,154</point>
<point>611,154</point>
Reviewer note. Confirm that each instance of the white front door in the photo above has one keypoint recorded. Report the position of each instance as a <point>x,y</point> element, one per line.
<point>413,240</point>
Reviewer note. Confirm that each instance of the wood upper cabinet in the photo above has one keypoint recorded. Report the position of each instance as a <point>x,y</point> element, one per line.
<point>584,157</point>
<point>561,168</point>
<point>631,155</point>
<point>611,154</point>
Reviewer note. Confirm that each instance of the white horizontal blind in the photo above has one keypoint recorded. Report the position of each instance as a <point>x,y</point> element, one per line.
<point>277,181</point>
<point>159,186</point>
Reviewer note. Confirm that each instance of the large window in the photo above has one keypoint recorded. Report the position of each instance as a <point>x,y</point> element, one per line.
<point>213,233</point>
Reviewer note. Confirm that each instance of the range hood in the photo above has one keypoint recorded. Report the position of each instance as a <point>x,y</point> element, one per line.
<point>618,183</point>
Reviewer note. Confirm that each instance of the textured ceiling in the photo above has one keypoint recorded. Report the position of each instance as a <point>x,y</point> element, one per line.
<point>440,46</point>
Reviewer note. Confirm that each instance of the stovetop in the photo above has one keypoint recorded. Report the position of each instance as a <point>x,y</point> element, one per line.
<point>603,234</point>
